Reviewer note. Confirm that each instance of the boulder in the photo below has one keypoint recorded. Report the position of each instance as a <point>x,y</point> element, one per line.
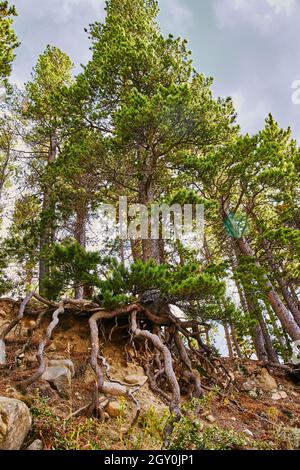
<point>113,409</point>
<point>248,386</point>
<point>15,423</point>
<point>266,382</point>
<point>114,389</point>
<point>60,378</point>
<point>63,363</point>
<point>36,445</point>
<point>280,395</point>
<point>136,379</point>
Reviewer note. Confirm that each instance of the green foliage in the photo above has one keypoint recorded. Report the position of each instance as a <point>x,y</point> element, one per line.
<point>8,39</point>
<point>190,435</point>
<point>176,284</point>
<point>70,266</point>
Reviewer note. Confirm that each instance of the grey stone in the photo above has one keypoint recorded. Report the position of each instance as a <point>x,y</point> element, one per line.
<point>63,363</point>
<point>60,377</point>
<point>114,389</point>
<point>248,386</point>
<point>15,423</point>
<point>266,382</point>
<point>36,445</point>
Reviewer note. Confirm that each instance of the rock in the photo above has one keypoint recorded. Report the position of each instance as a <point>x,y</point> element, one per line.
<point>15,423</point>
<point>266,382</point>
<point>61,378</point>
<point>276,396</point>
<point>2,352</point>
<point>36,445</point>
<point>113,409</point>
<point>31,359</point>
<point>63,363</point>
<point>211,419</point>
<point>248,386</point>
<point>248,432</point>
<point>136,379</point>
<point>280,395</point>
<point>114,389</point>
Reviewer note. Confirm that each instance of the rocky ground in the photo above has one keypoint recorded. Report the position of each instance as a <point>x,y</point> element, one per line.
<point>260,409</point>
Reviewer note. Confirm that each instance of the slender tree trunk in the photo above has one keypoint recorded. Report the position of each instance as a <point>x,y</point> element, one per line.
<point>235,342</point>
<point>284,287</point>
<point>249,307</point>
<point>136,250</point>
<point>286,319</point>
<point>295,296</point>
<point>150,248</point>
<point>80,237</point>
<point>46,234</point>
<point>256,331</point>
<point>228,340</point>
<point>272,354</point>
<point>3,168</point>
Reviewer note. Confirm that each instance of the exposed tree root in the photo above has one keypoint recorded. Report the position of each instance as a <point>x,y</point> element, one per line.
<point>168,363</point>
<point>41,349</point>
<point>171,351</point>
<point>13,323</point>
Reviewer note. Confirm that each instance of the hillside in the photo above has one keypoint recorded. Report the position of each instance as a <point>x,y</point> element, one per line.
<point>259,408</point>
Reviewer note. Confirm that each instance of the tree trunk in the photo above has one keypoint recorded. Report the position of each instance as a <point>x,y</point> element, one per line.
<point>272,354</point>
<point>294,308</point>
<point>228,341</point>
<point>46,233</point>
<point>136,250</point>
<point>286,319</point>
<point>150,248</point>
<point>80,237</point>
<point>235,342</point>
<point>249,307</point>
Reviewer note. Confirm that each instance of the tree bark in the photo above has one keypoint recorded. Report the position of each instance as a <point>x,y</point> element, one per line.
<point>283,284</point>
<point>228,341</point>
<point>272,354</point>
<point>235,341</point>
<point>80,237</point>
<point>286,319</point>
<point>46,233</point>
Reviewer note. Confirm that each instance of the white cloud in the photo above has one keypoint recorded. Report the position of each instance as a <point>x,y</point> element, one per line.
<point>260,13</point>
<point>250,114</point>
<point>178,14</point>
<point>67,7</point>
<point>282,6</point>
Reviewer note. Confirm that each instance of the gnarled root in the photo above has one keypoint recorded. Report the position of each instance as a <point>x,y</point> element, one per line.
<point>41,349</point>
<point>12,324</point>
<point>168,364</point>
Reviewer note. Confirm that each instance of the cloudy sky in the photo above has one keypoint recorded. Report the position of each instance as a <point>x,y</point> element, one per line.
<point>250,47</point>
